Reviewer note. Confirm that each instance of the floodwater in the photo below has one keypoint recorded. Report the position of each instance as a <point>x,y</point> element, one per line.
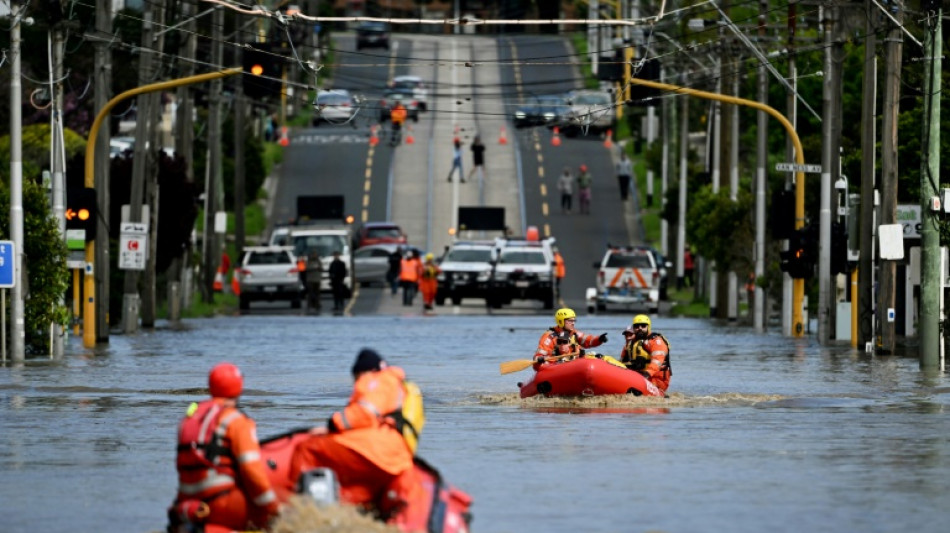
<point>761,432</point>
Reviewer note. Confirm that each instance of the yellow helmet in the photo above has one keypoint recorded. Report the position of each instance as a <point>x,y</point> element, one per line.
<point>429,257</point>
<point>642,319</point>
<point>562,315</point>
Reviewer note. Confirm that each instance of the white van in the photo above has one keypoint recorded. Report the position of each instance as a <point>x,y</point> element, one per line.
<point>325,240</point>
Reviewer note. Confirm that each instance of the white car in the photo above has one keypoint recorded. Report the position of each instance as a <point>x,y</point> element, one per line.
<point>269,273</point>
<point>627,277</point>
<point>334,106</point>
<point>523,270</point>
<point>591,111</point>
<point>415,84</point>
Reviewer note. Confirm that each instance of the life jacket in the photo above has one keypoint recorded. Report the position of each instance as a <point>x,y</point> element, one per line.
<point>639,357</point>
<point>564,341</point>
<point>429,272</point>
<point>204,462</point>
<point>410,418</point>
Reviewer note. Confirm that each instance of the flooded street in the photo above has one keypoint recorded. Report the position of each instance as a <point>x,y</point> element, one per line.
<point>761,432</point>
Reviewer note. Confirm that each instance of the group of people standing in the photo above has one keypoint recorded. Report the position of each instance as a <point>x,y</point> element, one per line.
<point>644,350</point>
<point>311,273</point>
<point>222,477</point>
<point>414,275</point>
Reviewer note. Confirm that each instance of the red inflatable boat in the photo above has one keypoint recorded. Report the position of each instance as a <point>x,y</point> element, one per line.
<point>587,376</point>
<point>442,509</point>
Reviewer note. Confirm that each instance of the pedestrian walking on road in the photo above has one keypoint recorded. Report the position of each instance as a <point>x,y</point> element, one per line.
<point>337,276</point>
<point>624,175</point>
<point>478,158</point>
<point>395,265</point>
<point>457,162</point>
<point>565,184</point>
<point>584,181</point>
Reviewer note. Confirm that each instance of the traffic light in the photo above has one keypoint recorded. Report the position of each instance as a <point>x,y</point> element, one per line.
<point>799,259</point>
<point>263,71</point>
<point>81,211</point>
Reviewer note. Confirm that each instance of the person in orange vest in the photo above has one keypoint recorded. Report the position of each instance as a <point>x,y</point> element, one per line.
<point>647,352</point>
<point>371,459</point>
<point>564,339</point>
<point>397,115</point>
<point>429,283</point>
<point>559,270</point>
<point>410,270</point>
<point>221,479</point>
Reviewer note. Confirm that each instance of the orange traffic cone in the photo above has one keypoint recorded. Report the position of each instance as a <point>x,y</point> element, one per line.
<point>218,284</point>
<point>235,283</point>
<point>409,138</point>
<point>607,142</point>
<point>284,141</point>
<point>556,139</point>
<point>373,138</point>
<point>503,136</point>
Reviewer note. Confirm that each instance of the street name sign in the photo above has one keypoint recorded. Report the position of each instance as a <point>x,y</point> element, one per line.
<point>795,167</point>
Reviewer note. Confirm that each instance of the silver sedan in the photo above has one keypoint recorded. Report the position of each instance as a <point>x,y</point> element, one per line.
<point>372,262</point>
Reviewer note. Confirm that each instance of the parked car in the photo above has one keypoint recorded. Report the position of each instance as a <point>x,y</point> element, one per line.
<point>592,111</point>
<point>269,273</point>
<point>389,99</point>
<point>372,262</point>
<point>379,233</point>
<point>523,270</point>
<point>627,277</point>
<point>416,86</point>
<point>548,110</point>
<point>337,105</point>
<point>372,34</point>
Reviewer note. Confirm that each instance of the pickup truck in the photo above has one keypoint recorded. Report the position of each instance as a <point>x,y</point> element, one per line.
<point>627,277</point>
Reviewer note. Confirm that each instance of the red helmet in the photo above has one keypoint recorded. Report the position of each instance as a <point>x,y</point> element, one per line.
<point>583,168</point>
<point>225,381</point>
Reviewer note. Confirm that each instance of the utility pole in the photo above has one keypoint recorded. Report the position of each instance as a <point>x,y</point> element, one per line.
<point>666,123</point>
<point>732,293</point>
<point>868,163</point>
<point>791,111</point>
<point>212,250</point>
<point>830,108</point>
<point>156,151</point>
<point>58,160</point>
<point>239,177</point>
<point>888,269</point>
<point>683,168</point>
<point>17,330</point>
<point>761,156</point>
<point>98,322</point>
<point>930,276</point>
<point>140,165</point>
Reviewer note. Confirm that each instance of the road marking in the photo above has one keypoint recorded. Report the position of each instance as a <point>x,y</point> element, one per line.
<point>544,208</point>
<point>346,138</point>
<point>547,233</point>
<point>541,172</point>
<point>544,190</point>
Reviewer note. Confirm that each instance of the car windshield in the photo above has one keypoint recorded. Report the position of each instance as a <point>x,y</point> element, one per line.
<point>269,258</point>
<point>333,99</point>
<point>323,244</point>
<point>379,233</point>
<point>373,27</point>
<point>468,255</point>
<point>522,257</point>
<point>592,99</point>
<point>621,260</point>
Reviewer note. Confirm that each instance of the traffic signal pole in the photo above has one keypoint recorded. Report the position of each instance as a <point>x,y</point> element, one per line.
<point>798,285</point>
<point>89,303</point>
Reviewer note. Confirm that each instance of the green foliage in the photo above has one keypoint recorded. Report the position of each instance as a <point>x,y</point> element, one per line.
<point>720,229</point>
<point>44,251</point>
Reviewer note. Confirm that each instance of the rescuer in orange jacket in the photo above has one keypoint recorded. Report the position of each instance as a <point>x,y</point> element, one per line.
<point>410,270</point>
<point>429,283</point>
<point>221,479</point>
<point>371,458</point>
<point>559,270</point>
<point>397,115</point>
<point>647,352</point>
<point>564,339</point>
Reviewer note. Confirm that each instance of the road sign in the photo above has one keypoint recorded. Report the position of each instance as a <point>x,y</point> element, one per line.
<point>7,263</point>
<point>133,241</point>
<point>795,167</point>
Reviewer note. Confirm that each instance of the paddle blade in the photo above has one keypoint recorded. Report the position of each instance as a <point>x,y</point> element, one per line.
<point>515,366</point>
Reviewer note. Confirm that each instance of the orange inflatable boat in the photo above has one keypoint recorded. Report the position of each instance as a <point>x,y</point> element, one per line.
<point>588,376</point>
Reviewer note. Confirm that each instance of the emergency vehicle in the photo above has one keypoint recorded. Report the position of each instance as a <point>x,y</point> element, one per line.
<point>627,278</point>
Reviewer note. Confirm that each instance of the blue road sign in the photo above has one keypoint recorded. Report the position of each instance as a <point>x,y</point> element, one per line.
<point>7,263</point>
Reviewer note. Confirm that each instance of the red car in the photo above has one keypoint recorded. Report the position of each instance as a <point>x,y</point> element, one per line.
<point>380,232</point>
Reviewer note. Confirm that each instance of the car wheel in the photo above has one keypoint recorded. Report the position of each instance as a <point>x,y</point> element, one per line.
<point>549,301</point>
<point>295,303</point>
<point>456,300</point>
<point>440,300</point>
<point>601,307</point>
<point>245,303</point>
<point>591,309</point>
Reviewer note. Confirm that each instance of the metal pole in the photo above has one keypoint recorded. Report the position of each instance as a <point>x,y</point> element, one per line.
<point>97,288</point>
<point>684,151</point>
<point>865,240</point>
<point>17,331</point>
<point>57,160</point>
<point>667,129</point>
<point>824,212</point>
<point>762,122</point>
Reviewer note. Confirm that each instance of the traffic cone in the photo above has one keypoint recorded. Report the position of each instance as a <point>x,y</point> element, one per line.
<point>607,142</point>
<point>409,138</point>
<point>373,138</point>
<point>235,283</point>
<point>218,284</point>
<point>503,136</point>
<point>284,141</point>
<point>556,139</point>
